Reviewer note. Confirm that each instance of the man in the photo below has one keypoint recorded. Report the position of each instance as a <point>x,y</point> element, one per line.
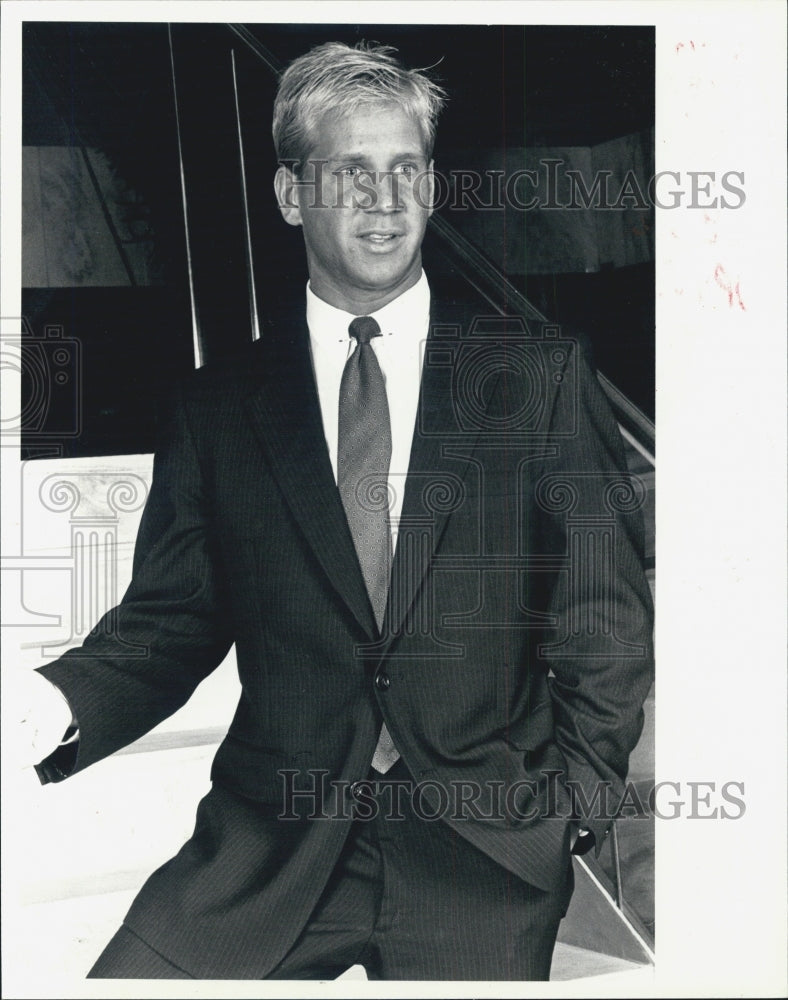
<point>412,521</point>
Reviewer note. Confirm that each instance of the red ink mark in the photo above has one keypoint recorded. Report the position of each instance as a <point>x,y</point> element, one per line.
<point>730,289</point>
<point>681,45</point>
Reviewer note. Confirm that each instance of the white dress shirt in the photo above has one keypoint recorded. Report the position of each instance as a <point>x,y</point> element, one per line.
<point>404,325</point>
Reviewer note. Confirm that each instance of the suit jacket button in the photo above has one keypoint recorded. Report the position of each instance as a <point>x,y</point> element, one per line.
<point>382,681</point>
<point>359,788</point>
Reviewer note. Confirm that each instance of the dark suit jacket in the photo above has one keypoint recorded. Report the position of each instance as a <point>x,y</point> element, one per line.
<point>516,646</point>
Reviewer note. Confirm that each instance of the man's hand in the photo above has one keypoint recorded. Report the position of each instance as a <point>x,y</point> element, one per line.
<point>37,717</point>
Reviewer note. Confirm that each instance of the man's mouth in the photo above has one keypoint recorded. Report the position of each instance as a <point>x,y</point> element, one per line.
<point>380,242</point>
<point>380,238</point>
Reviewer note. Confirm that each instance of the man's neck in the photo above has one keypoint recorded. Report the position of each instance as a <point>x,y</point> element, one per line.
<point>408,310</point>
<point>359,305</point>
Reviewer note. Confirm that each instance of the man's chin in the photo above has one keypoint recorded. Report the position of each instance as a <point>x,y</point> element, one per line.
<point>387,272</point>
<point>368,285</point>
<point>382,292</point>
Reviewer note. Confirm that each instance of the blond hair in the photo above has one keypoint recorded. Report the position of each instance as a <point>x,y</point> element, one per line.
<point>335,76</point>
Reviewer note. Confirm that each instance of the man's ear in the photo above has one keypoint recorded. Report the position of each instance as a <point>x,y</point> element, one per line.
<point>286,188</point>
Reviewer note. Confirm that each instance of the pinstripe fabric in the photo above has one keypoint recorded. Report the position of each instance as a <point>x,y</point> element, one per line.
<point>409,900</point>
<point>244,539</point>
<point>127,956</point>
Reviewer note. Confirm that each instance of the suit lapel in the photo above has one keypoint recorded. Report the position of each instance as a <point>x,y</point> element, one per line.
<point>285,414</point>
<point>438,462</point>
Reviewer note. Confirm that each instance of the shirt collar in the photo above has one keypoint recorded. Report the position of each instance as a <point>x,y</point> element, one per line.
<point>328,324</point>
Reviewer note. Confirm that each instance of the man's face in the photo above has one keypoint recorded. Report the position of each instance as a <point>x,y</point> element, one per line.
<point>363,199</point>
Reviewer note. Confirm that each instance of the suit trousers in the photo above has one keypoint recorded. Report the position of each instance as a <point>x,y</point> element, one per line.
<point>409,899</point>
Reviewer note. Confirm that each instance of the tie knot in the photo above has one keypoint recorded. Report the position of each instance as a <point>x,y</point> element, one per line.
<point>364,328</point>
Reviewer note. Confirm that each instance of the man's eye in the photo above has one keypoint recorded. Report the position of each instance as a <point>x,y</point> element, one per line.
<point>408,169</point>
<point>349,171</point>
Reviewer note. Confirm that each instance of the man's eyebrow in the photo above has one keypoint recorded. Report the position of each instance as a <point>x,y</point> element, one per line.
<point>359,157</point>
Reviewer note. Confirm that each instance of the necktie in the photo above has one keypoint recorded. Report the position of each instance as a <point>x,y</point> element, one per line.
<point>363,456</point>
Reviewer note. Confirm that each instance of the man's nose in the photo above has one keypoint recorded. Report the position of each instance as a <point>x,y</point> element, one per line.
<point>388,197</point>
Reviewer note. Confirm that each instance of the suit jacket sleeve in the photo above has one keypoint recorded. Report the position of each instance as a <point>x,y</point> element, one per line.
<point>601,663</point>
<point>144,658</point>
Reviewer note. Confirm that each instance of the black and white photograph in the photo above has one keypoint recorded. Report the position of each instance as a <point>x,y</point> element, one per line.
<point>334,646</point>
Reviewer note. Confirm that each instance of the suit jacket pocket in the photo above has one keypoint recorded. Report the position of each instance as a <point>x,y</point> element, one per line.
<point>257,772</point>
